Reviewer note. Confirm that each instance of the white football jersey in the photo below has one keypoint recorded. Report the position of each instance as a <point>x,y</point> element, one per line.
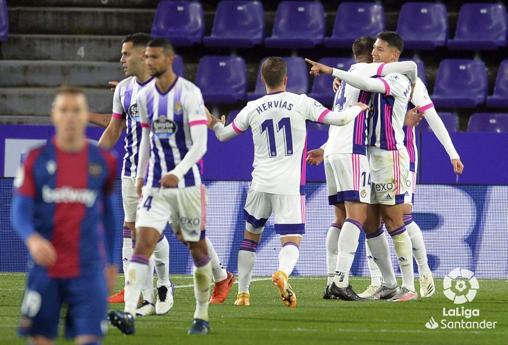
<point>125,107</point>
<point>386,121</point>
<point>170,116</point>
<point>279,133</point>
<point>351,138</point>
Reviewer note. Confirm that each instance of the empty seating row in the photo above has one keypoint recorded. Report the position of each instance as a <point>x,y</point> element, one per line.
<point>460,83</point>
<point>4,21</point>
<point>301,24</point>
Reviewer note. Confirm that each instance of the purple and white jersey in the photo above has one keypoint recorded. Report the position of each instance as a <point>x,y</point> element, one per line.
<point>125,107</point>
<point>386,122</point>
<point>170,116</point>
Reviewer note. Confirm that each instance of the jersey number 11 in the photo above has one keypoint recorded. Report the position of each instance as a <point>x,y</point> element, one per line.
<point>283,125</point>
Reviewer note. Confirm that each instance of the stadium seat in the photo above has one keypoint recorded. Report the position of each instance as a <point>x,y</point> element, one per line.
<point>222,79</point>
<point>178,66</point>
<point>480,26</point>
<point>237,24</point>
<point>4,21</point>
<point>322,86</point>
<point>460,83</point>
<point>432,25</point>
<point>179,21</point>
<point>298,24</point>
<point>450,120</point>
<point>355,19</point>
<point>488,122</point>
<point>500,97</point>
<point>298,80</point>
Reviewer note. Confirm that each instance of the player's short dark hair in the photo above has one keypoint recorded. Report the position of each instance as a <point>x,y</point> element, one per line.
<point>69,90</point>
<point>161,43</point>
<point>138,39</point>
<point>274,69</point>
<point>363,46</point>
<point>392,38</point>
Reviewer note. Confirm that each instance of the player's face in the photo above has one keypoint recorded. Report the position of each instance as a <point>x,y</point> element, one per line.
<point>70,115</point>
<point>383,52</point>
<point>132,59</point>
<point>158,61</point>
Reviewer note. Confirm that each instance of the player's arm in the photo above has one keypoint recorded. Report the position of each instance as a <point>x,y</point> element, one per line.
<point>144,146</point>
<point>101,120</point>
<point>113,131</point>
<point>41,250</point>
<point>408,68</point>
<point>236,127</point>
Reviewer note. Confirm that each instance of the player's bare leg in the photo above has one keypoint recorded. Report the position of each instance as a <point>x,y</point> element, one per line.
<point>381,255</point>
<point>87,339</point>
<point>332,250</point>
<point>427,286</point>
<point>127,247</point>
<point>41,340</point>
<point>393,217</point>
<point>202,281</point>
<point>288,257</point>
<point>246,259</point>
<point>347,244</point>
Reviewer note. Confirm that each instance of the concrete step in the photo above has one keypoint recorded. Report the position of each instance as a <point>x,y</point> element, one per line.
<point>79,20</point>
<point>87,3</point>
<point>24,119</point>
<point>22,73</point>
<point>62,47</point>
<point>37,101</point>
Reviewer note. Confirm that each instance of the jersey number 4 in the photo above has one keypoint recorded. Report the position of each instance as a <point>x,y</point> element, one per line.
<point>283,125</point>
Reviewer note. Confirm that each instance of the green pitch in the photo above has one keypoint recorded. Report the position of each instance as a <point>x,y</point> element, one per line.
<point>314,321</point>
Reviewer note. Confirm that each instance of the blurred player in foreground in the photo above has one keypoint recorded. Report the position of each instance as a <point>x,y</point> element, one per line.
<point>174,139</point>
<point>277,121</point>
<point>63,210</point>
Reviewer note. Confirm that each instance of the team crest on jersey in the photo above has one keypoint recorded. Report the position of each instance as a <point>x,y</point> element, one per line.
<point>363,193</point>
<point>94,169</point>
<point>178,109</point>
<point>133,112</point>
<point>163,127</point>
<point>51,167</point>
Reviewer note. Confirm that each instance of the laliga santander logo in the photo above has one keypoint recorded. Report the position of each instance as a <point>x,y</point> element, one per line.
<point>460,286</point>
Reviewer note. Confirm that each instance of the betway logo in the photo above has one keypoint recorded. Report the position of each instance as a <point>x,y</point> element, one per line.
<point>67,194</point>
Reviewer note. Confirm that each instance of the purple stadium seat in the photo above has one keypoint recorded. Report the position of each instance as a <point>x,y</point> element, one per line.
<point>4,21</point>
<point>298,24</point>
<point>178,66</point>
<point>480,26</point>
<point>322,86</point>
<point>431,28</point>
<point>355,19</point>
<point>179,21</point>
<point>500,97</point>
<point>298,80</point>
<point>460,83</point>
<point>488,122</point>
<point>222,79</point>
<point>450,120</point>
<point>237,24</point>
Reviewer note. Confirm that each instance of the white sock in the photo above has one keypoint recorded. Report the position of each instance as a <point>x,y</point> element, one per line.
<point>288,257</point>
<point>136,277</point>
<point>126,249</point>
<point>147,290</point>
<point>419,250</point>
<point>404,251</point>
<point>375,273</point>
<point>332,249</point>
<point>379,248</point>
<point>348,243</point>
<point>246,259</point>
<point>161,256</point>
<point>218,270</point>
<point>202,281</point>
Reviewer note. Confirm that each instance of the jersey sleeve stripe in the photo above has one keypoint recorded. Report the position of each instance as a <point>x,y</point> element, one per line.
<point>198,122</point>
<point>380,69</point>
<point>145,125</point>
<point>117,116</point>
<point>323,115</point>
<point>426,107</point>
<point>387,87</point>
<point>235,128</point>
